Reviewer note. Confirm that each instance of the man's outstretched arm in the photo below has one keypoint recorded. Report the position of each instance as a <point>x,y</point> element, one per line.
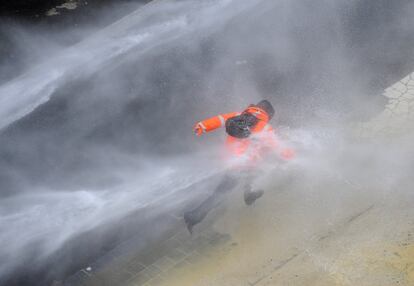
<point>213,123</point>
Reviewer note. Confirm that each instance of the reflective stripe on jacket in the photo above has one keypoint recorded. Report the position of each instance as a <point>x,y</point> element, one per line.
<point>215,122</point>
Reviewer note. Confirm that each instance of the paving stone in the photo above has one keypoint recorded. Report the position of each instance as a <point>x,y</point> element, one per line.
<point>183,235</point>
<point>203,245</point>
<point>171,243</point>
<point>177,254</point>
<point>135,266</point>
<point>218,238</point>
<point>405,80</point>
<point>77,279</point>
<point>156,280</point>
<point>150,257</point>
<point>391,93</point>
<point>399,86</point>
<point>164,263</point>
<point>92,281</point>
<point>182,264</point>
<point>193,257</point>
<point>255,279</point>
<point>210,235</point>
<point>151,270</point>
<point>139,279</point>
<point>188,245</point>
<point>117,277</point>
<point>170,273</point>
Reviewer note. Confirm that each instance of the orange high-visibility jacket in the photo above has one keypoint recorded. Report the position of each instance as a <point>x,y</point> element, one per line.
<point>262,137</point>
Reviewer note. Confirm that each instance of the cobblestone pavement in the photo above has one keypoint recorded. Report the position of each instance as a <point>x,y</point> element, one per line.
<point>398,115</point>
<point>278,242</point>
<point>152,266</point>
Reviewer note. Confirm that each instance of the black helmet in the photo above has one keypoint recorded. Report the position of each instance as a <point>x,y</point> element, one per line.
<point>266,106</point>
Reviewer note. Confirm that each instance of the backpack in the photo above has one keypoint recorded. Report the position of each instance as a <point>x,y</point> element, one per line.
<point>239,126</point>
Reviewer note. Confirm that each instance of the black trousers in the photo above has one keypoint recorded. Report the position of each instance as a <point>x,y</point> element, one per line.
<point>227,184</point>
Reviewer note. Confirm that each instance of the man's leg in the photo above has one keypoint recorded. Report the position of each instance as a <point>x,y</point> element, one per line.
<point>250,195</point>
<point>196,215</point>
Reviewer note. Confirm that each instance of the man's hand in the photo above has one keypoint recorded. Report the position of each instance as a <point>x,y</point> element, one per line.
<point>199,129</point>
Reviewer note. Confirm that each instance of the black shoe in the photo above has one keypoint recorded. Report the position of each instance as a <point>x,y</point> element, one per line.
<point>189,222</point>
<point>252,196</point>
